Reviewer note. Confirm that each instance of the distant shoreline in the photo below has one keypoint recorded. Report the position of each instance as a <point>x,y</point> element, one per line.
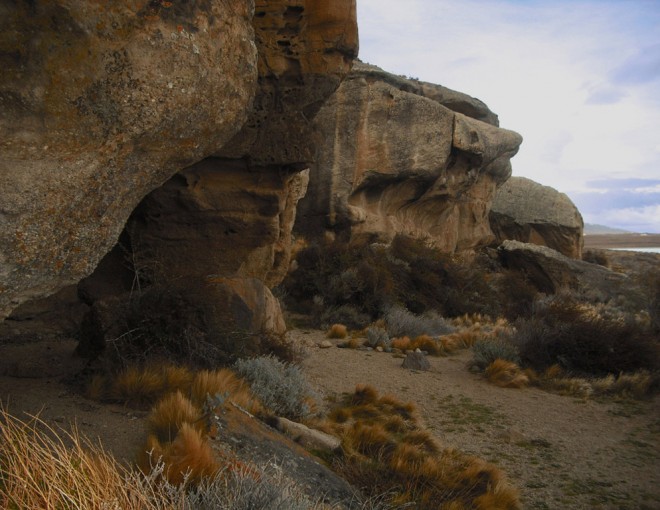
<point>605,241</point>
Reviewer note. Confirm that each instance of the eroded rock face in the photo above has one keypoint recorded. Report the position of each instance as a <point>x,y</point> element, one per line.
<point>101,102</point>
<point>220,217</point>
<point>393,161</point>
<point>306,48</point>
<point>526,211</point>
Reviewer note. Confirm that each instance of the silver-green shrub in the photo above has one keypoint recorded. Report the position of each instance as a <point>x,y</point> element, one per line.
<point>401,322</point>
<point>280,386</point>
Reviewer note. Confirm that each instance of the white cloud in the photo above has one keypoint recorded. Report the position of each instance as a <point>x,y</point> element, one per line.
<point>636,219</point>
<point>575,78</point>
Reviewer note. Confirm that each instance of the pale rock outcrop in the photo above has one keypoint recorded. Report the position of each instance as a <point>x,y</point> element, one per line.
<point>101,102</point>
<point>526,211</point>
<point>551,271</point>
<point>394,161</point>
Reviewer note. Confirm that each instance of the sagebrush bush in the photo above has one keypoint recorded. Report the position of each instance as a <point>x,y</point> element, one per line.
<point>401,322</point>
<point>280,386</point>
<point>378,337</point>
<point>596,257</point>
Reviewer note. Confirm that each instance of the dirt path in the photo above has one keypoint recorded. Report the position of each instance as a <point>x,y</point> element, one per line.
<point>560,451</point>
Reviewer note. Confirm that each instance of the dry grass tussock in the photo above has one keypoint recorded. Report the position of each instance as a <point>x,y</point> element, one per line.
<point>337,331</point>
<point>506,374</point>
<point>386,448</point>
<point>637,385</point>
<point>45,468</point>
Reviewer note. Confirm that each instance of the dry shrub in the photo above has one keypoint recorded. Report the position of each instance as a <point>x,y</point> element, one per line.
<point>506,374</point>
<point>170,413</point>
<point>386,449</point>
<point>337,331</point>
<point>585,340</point>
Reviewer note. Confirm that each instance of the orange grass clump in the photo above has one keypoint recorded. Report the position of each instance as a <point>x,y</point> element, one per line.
<point>137,386</point>
<point>506,374</point>
<point>402,343</point>
<point>189,457</point>
<point>337,331</point>
<point>428,344</point>
<point>169,415</point>
<point>386,448</point>
<point>227,384</point>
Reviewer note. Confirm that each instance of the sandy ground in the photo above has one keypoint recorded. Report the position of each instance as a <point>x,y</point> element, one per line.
<point>561,452</point>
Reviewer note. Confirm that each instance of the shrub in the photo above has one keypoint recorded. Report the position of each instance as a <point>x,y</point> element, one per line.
<point>169,415</point>
<point>401,322</point>
<point>585,340</point>
<point>345,314</point>
<point>596,257</point>
<point>378,337</point>
<point>280,386</point>
<point>485,352</point>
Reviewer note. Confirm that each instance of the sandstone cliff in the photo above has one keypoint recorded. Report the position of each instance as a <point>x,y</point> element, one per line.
<point>102,103</point>
<point>398,156</point>
<point>526,211</point>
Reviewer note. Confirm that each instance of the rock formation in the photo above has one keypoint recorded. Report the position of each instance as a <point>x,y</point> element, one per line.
<point>101,104</point>
<point>550,271</point>
<point>526,211</point>
<point>398,156</point>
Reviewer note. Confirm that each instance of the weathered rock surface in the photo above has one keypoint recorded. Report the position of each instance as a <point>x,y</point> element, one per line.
<point>393,161</point>
<point>306,48</point>
<point>251,440</point>
<point>101,102</point>
<point>550,271</point>
<point>233,215</point>
<point>220,217</point>
<point>526,211</point>
<point>416,361</point>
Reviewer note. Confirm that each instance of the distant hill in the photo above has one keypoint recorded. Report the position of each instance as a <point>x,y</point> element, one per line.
<point>593,229</point>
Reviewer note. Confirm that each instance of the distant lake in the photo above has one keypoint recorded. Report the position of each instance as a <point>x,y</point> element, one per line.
<point>645,250</point>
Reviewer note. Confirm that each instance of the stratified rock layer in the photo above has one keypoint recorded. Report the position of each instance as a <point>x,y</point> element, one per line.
<point>393,161</point>
<point>219,217</point>
<point>101,102</point>
<point>526,211</point>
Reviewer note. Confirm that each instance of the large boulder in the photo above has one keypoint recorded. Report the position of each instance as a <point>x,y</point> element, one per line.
<point>395,161</point>
<point>526,211</point>
<point>550,272</point>
<point>101,102</point>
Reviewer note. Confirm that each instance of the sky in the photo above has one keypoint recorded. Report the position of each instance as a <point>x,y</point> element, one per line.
<point>579,80</point>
